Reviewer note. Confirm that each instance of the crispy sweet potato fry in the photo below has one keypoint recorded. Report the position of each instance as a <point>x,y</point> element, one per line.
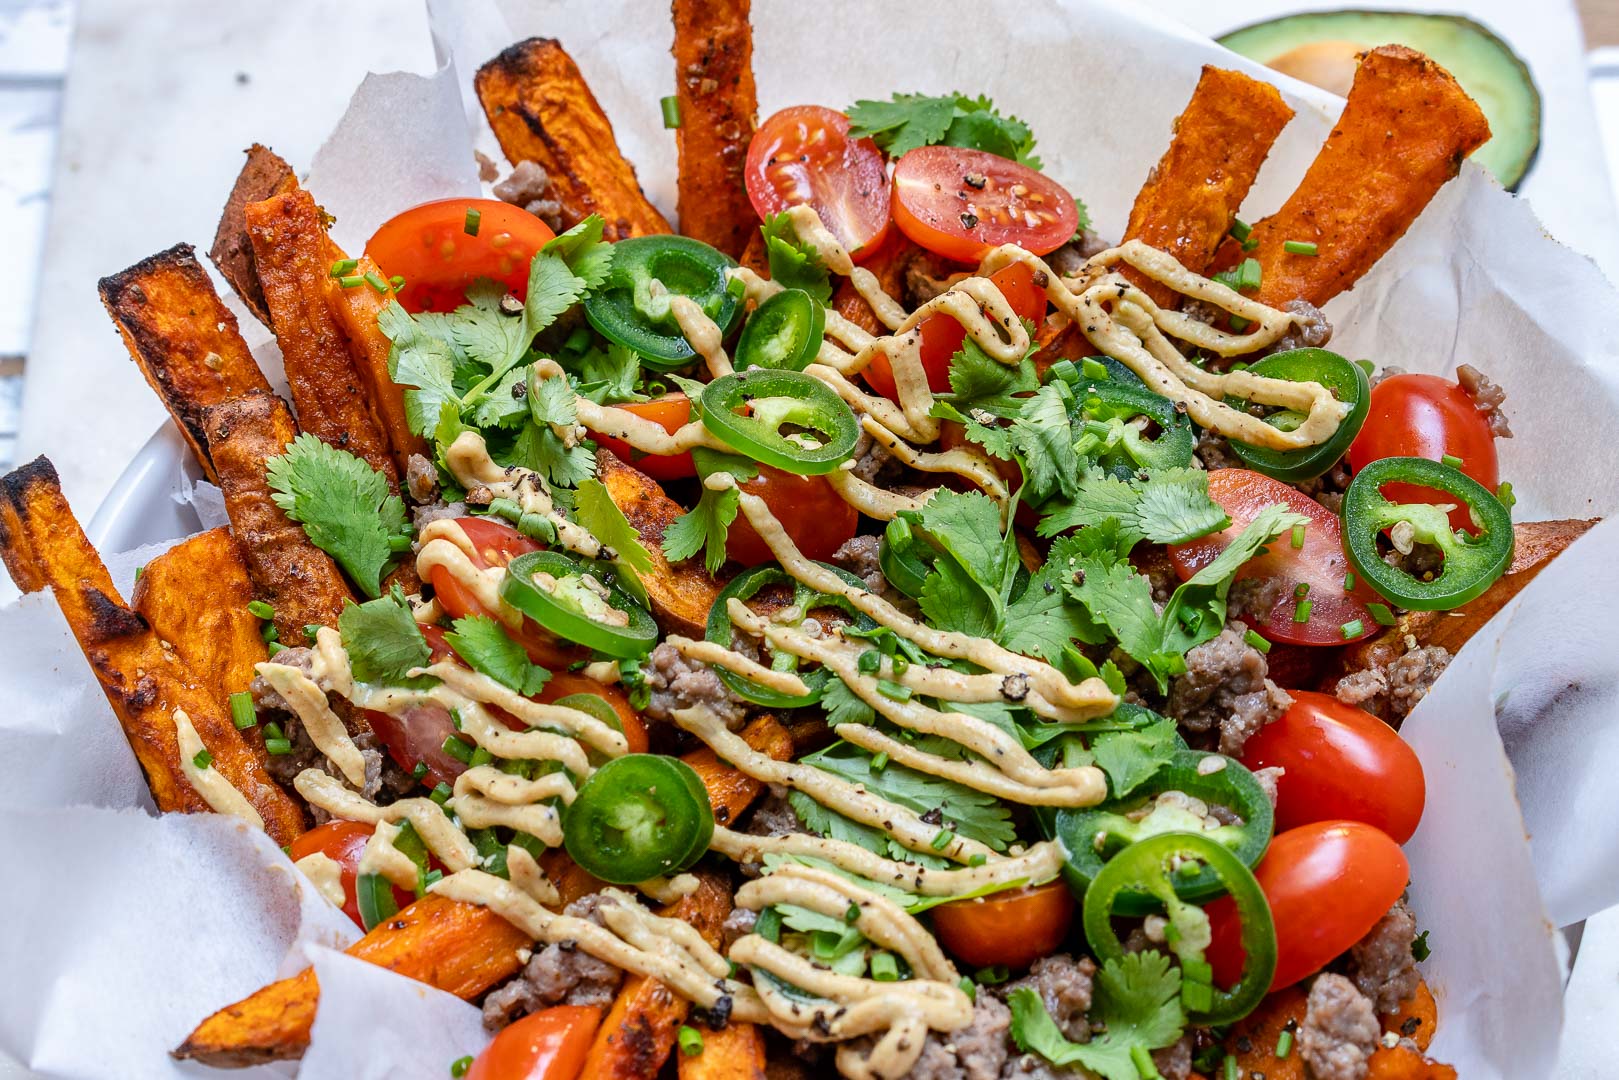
<point>1400,1063</point>
<point>1260,1030</point>
<point>753,255</point>
<point>1190,199</point>
<point>263,174</point>
<point>294,260</point>
<point>639,1031</point>
<point>145,683</point>
<point>356,311</point>
<point>734,1052</point>
<point>183,338</point>
<point>718,109</point>
<point>729,791</point>
<point>542,110</point>
<point>295,577</point>
<point>1536,543</point>
<point>1403,133</point>
<point>456,947</point>
<point>681,594</point>
<point>195,596</point>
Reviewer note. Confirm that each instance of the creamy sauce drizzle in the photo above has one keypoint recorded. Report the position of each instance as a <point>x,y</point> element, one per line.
<point>325,874</point>
<point>219,793</point>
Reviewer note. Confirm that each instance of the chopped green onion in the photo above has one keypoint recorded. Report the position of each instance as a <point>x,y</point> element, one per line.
<point>441,793</point>
<point>1354,628</point>
<point>1452,460</point>
<point>1301,611</point>
<point>1255,641</point>
<point>139,570</point>
<point>399,543</point>
<point>276,648</point>
<point>1196,996</point>
<point>1301,590</point>
<point>1349,581</point>
<point>869,661</point>
<point>1298,536</point>
<point>1504,493</point>
<point>396,282</point>
<point>1239,324</point>
<point>736,287</point>
<point>1249,274</point>
<point>1142,1057</point>
<point>852,915</point>
<point>1284,1043</point>
<point>202,758</point>
<point>242,713</point>
<point>1240,229</point>
<point>473,219</point>
<point>352,281</point>
<point>1232,1070</point>
<point>879,762</point>
<point>455,718</point>
<point>459,1067</point>
<point>671,111</point>
<point>1200,971</point>
<point>272,730</point>
<point>940,841</point>
<point>1093,368</point>
<point>269,633</point>
<point>893,690</point>
<point>419,771</point>
<point>978,860</point>
<point>278,747</point>
<point>969,988</point>
<point>900,664</point>
<point>376,281</point>
<point>480,756</point>
<point>1299,247</point>
<point>344,266</point>
<point>260,610</point>
<point>457,749</point>
<point>1381,614</point>
<point>884,968</point>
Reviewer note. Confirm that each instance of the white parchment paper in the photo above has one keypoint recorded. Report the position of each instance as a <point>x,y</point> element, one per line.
<point>203,912</point>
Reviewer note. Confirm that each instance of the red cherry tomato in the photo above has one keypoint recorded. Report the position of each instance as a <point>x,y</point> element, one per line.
<point>942,335</point>
<point>960,203</point>
<point>343,842</point>
<point>1428,417</point>
<point>548,1045</point>
<point>1013,928</point>
<point>811,510</point>
<point>671,412</point>
<point>496,543</point>
<point>1327,884</point>
<point>1320,563</point>
<point>1341,763</point>
<point>417,734</point>
<point>804,155</point>
<point>430,246</point>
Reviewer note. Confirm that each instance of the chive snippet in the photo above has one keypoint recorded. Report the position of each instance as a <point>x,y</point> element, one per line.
<point>884,968</point>
<point>277,747</point>
<point>202,758</point>
<point>879,762</point>
<point>1301,590</point>
<point>457,749</point>
<point>1504,493</point>
<point>1232,1071</point>
<point>344,266</point>
<point>260,610</point>
<point>419,771</point>
<point>1284,1043</point>
<point>1252,638</point>
<point>269,633</point>
<point>852,915</point>
<point>1298,536</point>
<point>940,841</point>
<point>1381,614</point>
<point>893,690</point>
<point>1299,247</point>
<point>1452,460</point>
<point>276,649</point>
<point>1240,229</point>
<point>1354,628</point>
<point>396,282</point>
<point>376,281</point>
<point>351,281</point>
<point>1142,1059</point>
<point>1093,368</point>
<point>691,1040</point>
<point>1249,274</point>
<point>441,793</point>
<point>1301,611</point>
<point>670,107</point>
<point>978,860</point>
<point>474,218</point>
<point>459,1067</point>
<point>242,713</point>
<point>1349,581</point>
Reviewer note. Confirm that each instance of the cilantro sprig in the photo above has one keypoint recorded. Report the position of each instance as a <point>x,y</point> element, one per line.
<point>793,263</point>
<point>703,527</point>
<point>907,121</point>
<point>486,647</point>
<point>384,642</point>
<point>1137,1007</point>
<point>343,504</point>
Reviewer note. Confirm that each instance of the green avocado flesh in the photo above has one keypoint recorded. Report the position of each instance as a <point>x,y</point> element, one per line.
<point>1485,66</point>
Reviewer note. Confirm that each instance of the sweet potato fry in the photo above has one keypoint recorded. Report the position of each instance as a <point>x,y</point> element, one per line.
<point>194,597</point>
<point>753,255</point>
<point>1253,1039</point>
<point>356,311</point>
<point>292,575</point>
<point>718,110</point>
<point>456,947</point>
<point>294,261</point>
<point>263,174</point>
<point>146,683</point>
<point>183,338</point>
<point>734,1052</point>
<point>639,1031</point>
<point>1535,544</point>
<point>1403,133</point>
<point>730,792</point>
<point>542,110</point>
<point>681,594</point>
<point>1189,201</point>
<point>1401,1063</point>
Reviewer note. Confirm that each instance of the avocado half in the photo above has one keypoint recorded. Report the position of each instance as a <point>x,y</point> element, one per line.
<point>1315,46</point>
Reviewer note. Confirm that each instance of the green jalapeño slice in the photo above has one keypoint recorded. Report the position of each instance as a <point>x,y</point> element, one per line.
<point>783,333</point>
<point>638,817</point>
<point>632,307</point>
<point>822,428</point>
<point>1348,384</point>
<point>571,602</point>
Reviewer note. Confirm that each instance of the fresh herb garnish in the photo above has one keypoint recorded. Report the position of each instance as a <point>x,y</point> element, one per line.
<point>343,504</point>
<point>907,121</point>
<point>384,642</point>
<point>1137,1010</point>
<point>486,647</point>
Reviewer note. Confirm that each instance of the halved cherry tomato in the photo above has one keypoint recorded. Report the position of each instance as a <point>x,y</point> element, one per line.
<point>1320,563</point>
<point>803,154</point>
<point>811,510</point>
<point>960,203</point>
<point>343,842</point>
<point>671,412</point>
<point>496,543</point>
<point>1340,762</point>
<point>548,1045</point>
<point>564,684</point>
<point>1327,884</point>
<point>1428,417</point>
<point>1013,928</point>
<point>942,335</point>
<point>417,734</point>
<point>430,246</point>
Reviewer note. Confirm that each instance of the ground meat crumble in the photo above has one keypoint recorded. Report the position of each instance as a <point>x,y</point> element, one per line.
<point>528,186</point>
<point>1382,964</point>
<point>679,683</point>
<point>559,974</point>
<point>1340,1030</point>
<point>1225,687</point>
<point>1488,398</point>
<point>1393,689</point>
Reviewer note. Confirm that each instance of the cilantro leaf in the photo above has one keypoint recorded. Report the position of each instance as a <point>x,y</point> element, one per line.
<point>607,376</point>
<point>551,401</point>
<point>1196,610</point>
<point>823,822</point>
<point>1137,1004</point>
<point>979,381</point>
<point>793,263</point>
<point>594,508</point>
<point>703,527</point>
<point>1043,621</point>
<point>342,503</point>
<point>977,563</point>
<point>1117,597</point>
<point>503,405</point>
<point>421,363</point>
<point>383,642</point>
<point>1084,220</point>
<point>1131,758</point>
<point>486,647</point>
<point>486,334</point>
<point>907,121</point>
<point>539,448</point>
<point>1171,506</point>
<point>564,270</point>
<point>844,706</point>
<point>1044,439</point>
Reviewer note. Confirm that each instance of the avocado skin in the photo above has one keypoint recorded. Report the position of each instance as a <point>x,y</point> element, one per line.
<point>1484,64</point>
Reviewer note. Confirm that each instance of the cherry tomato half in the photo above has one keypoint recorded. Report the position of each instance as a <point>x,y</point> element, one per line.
<point>1340,762</point>
<point>671,412</point>
<point>496,543</point>
<point>417,734</point>
<point>1428,417</point>
<point>1320,563</point>
<point>1327,884</point>
<point>942,335</point>
<point>343,842</point>
<point>803,154</point>
<point>551,1044</point>
<point>430,246</point>
<point>1013,928</point>
<point>813,513</point>
<point>960,203</point>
